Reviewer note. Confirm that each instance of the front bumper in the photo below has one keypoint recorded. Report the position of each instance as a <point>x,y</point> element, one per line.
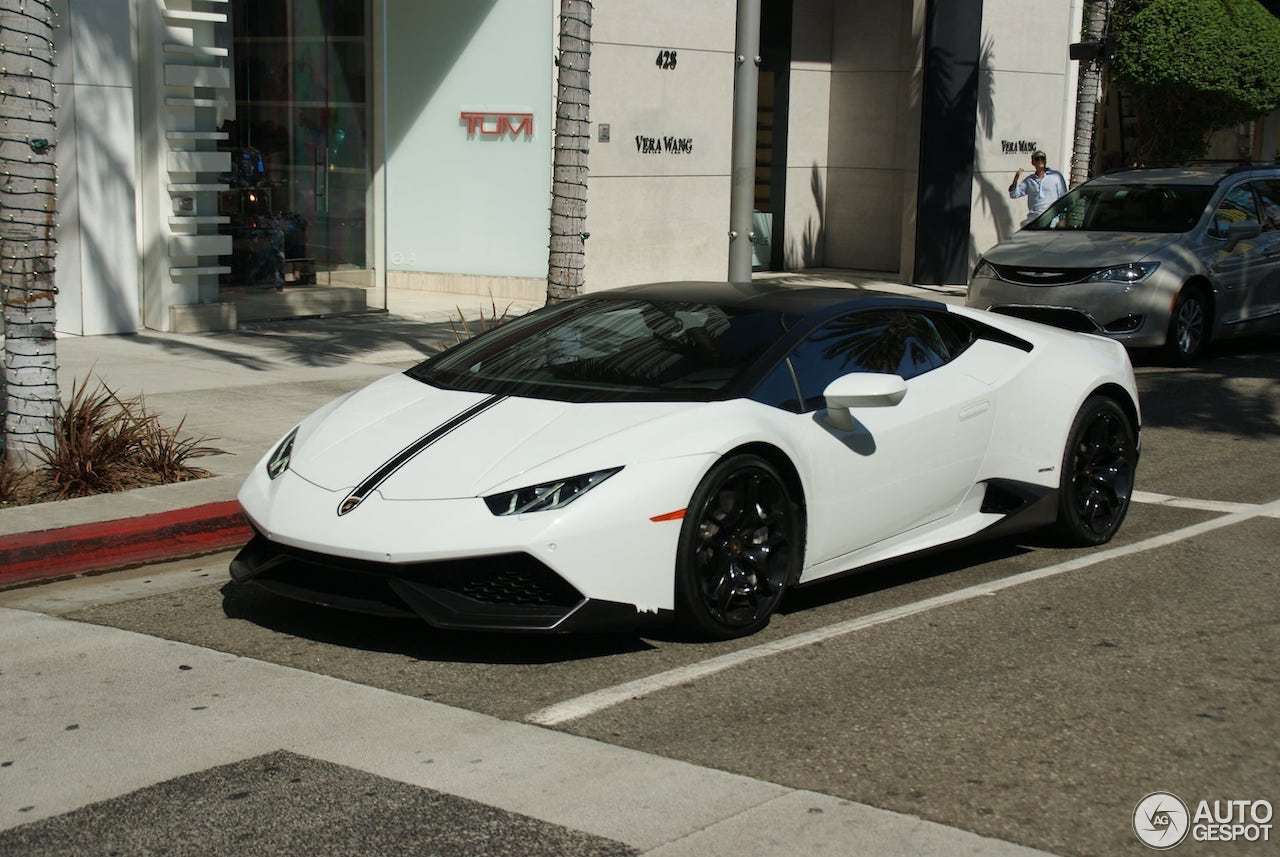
<point>504,592</point>
<point>1146,306</point>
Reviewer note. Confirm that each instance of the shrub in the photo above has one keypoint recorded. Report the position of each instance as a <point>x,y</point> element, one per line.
<point>104,443</point>
<point>464,329</point>
<point>1194,66</point>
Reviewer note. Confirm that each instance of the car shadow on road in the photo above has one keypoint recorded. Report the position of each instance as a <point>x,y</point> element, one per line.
<point>413,638</point>
<point>899,572</point>
<point>1220,394</point>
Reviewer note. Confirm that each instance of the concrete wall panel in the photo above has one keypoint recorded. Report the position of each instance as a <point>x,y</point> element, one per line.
<point>867,120</point>
<point>811,33</point>
<point>1027,35</point>
<point>702,24</point>
<point>654,229</point>
<point>808,120</point>
<point>637,99</point>
<point>806,217</point>
<point>106,188</point>
<point>102,42</point>
<point>864,219</point>
<point>871,35</point>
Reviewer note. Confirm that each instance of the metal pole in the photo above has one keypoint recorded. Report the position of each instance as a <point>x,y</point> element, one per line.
<point>742,185</point>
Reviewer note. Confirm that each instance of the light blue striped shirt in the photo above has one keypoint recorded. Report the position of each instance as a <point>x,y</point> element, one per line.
<point>1040,192</point>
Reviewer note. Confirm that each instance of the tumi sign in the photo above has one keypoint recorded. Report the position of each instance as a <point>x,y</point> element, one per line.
<point>493,125</point>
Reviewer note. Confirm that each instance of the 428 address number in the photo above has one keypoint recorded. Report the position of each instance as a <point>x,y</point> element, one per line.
<point>666,60</point>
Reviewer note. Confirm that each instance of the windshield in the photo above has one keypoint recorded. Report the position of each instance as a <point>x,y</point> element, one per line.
<point>612,350</point>
<point>1127,208</point>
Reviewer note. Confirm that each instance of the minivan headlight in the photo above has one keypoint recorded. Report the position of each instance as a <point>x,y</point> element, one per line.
<point>985,269</point>
<point>1134,272</point>
<point>279,461</point>
<point>548,495</point>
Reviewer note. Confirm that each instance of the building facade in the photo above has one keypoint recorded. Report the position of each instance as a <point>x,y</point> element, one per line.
<point>223,161</point>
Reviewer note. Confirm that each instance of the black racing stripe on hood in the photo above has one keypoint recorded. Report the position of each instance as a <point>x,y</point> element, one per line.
<point>371,482</point>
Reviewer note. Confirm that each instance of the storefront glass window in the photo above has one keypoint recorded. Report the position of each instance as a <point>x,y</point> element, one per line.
<point>302,166</point>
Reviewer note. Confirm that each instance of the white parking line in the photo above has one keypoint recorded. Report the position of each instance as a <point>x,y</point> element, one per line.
<point>579,707</point>
<point>1150,497</point>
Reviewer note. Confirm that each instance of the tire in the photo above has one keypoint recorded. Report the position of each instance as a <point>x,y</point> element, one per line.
<point>1098,466</point>
<point>1189,327</point>
<point>741,545</point>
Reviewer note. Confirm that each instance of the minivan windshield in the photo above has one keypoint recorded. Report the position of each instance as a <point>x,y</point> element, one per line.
<point>612,350</point>
<point>1127,208</point>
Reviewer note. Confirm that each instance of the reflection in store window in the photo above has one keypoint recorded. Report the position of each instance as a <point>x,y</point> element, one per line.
<point>300,158</point>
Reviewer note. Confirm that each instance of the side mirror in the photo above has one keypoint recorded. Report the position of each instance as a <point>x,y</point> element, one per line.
<point>1241,231</point>
<point>864,390</point>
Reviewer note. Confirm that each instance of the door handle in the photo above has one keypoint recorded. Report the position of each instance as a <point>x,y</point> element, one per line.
<point>974,409</point>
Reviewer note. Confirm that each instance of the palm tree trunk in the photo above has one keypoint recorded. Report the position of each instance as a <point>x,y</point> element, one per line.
<point>28,196</point>
<point>567,257</point>
<point>1087,92</point>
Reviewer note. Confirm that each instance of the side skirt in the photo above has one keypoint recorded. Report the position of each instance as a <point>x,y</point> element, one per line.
<point>1026,507</point>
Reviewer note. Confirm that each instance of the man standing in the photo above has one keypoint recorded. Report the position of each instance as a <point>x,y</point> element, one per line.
<point>1041,188</point>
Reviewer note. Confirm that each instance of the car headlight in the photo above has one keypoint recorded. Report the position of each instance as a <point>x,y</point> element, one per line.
<point>548,495</point>
<point>985,269</point>
<point>1134,272</point>
<point>279,461</point>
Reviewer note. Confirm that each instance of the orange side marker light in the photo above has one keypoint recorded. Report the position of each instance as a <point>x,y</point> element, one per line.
<point>669,516</point>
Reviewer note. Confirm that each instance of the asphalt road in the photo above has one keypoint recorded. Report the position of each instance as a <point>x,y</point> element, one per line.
<point>1039,714</point>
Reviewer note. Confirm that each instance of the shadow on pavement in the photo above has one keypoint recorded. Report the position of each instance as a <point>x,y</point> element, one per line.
<point>1235,391</point>
<point>899,572</point>
<point>413,638</point>
<point>262,346</point>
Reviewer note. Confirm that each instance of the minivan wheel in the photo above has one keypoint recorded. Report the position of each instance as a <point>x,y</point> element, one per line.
<point>1189,327</point>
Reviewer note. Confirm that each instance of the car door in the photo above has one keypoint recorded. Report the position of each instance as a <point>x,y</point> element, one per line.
<point>1234,264</point>
<point>898,467</point>
<point>1263,297</point>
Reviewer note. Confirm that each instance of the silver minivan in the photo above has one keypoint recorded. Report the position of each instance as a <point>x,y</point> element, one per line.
<point>1170,258</point>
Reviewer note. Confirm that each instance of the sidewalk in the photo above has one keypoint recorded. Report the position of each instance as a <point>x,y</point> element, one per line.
<point>245,389</point>
<point>177,744</point>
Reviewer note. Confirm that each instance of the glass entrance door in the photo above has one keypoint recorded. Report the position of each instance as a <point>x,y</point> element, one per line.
<point>302,164</point>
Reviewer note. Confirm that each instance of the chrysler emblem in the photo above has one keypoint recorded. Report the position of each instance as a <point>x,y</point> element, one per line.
<point>1040,274</point>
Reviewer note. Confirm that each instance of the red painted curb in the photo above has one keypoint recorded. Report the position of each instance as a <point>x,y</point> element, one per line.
<point>108,545</point>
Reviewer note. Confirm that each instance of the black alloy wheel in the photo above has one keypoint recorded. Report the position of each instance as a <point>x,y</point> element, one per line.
<point>741,544</point>
<point>1189,327</point>
<point>1097,473</point>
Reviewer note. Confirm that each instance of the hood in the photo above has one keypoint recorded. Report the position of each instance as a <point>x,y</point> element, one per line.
<point>501,442</point>
<point>1049,248</point>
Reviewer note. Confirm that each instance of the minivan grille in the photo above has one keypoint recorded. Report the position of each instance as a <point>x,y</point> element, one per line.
<point>1027,275</point>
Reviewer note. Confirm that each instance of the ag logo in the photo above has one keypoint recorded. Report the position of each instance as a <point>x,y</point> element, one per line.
<point>1161,820</point>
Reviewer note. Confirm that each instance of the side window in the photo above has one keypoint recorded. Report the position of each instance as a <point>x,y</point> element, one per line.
<point>956,332</point>
<point>896,342</point>
<point>1269,196</point>
<point>1236,207</point>
<point>778,390</point>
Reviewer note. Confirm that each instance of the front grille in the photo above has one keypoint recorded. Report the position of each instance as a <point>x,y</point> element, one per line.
<point>1029,275</point>
<point>511,579</point>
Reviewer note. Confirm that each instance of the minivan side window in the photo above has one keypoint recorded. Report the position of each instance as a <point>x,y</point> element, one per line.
<point>1269,195</point>
<point>895,342</point>
<point>1238,206</point>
